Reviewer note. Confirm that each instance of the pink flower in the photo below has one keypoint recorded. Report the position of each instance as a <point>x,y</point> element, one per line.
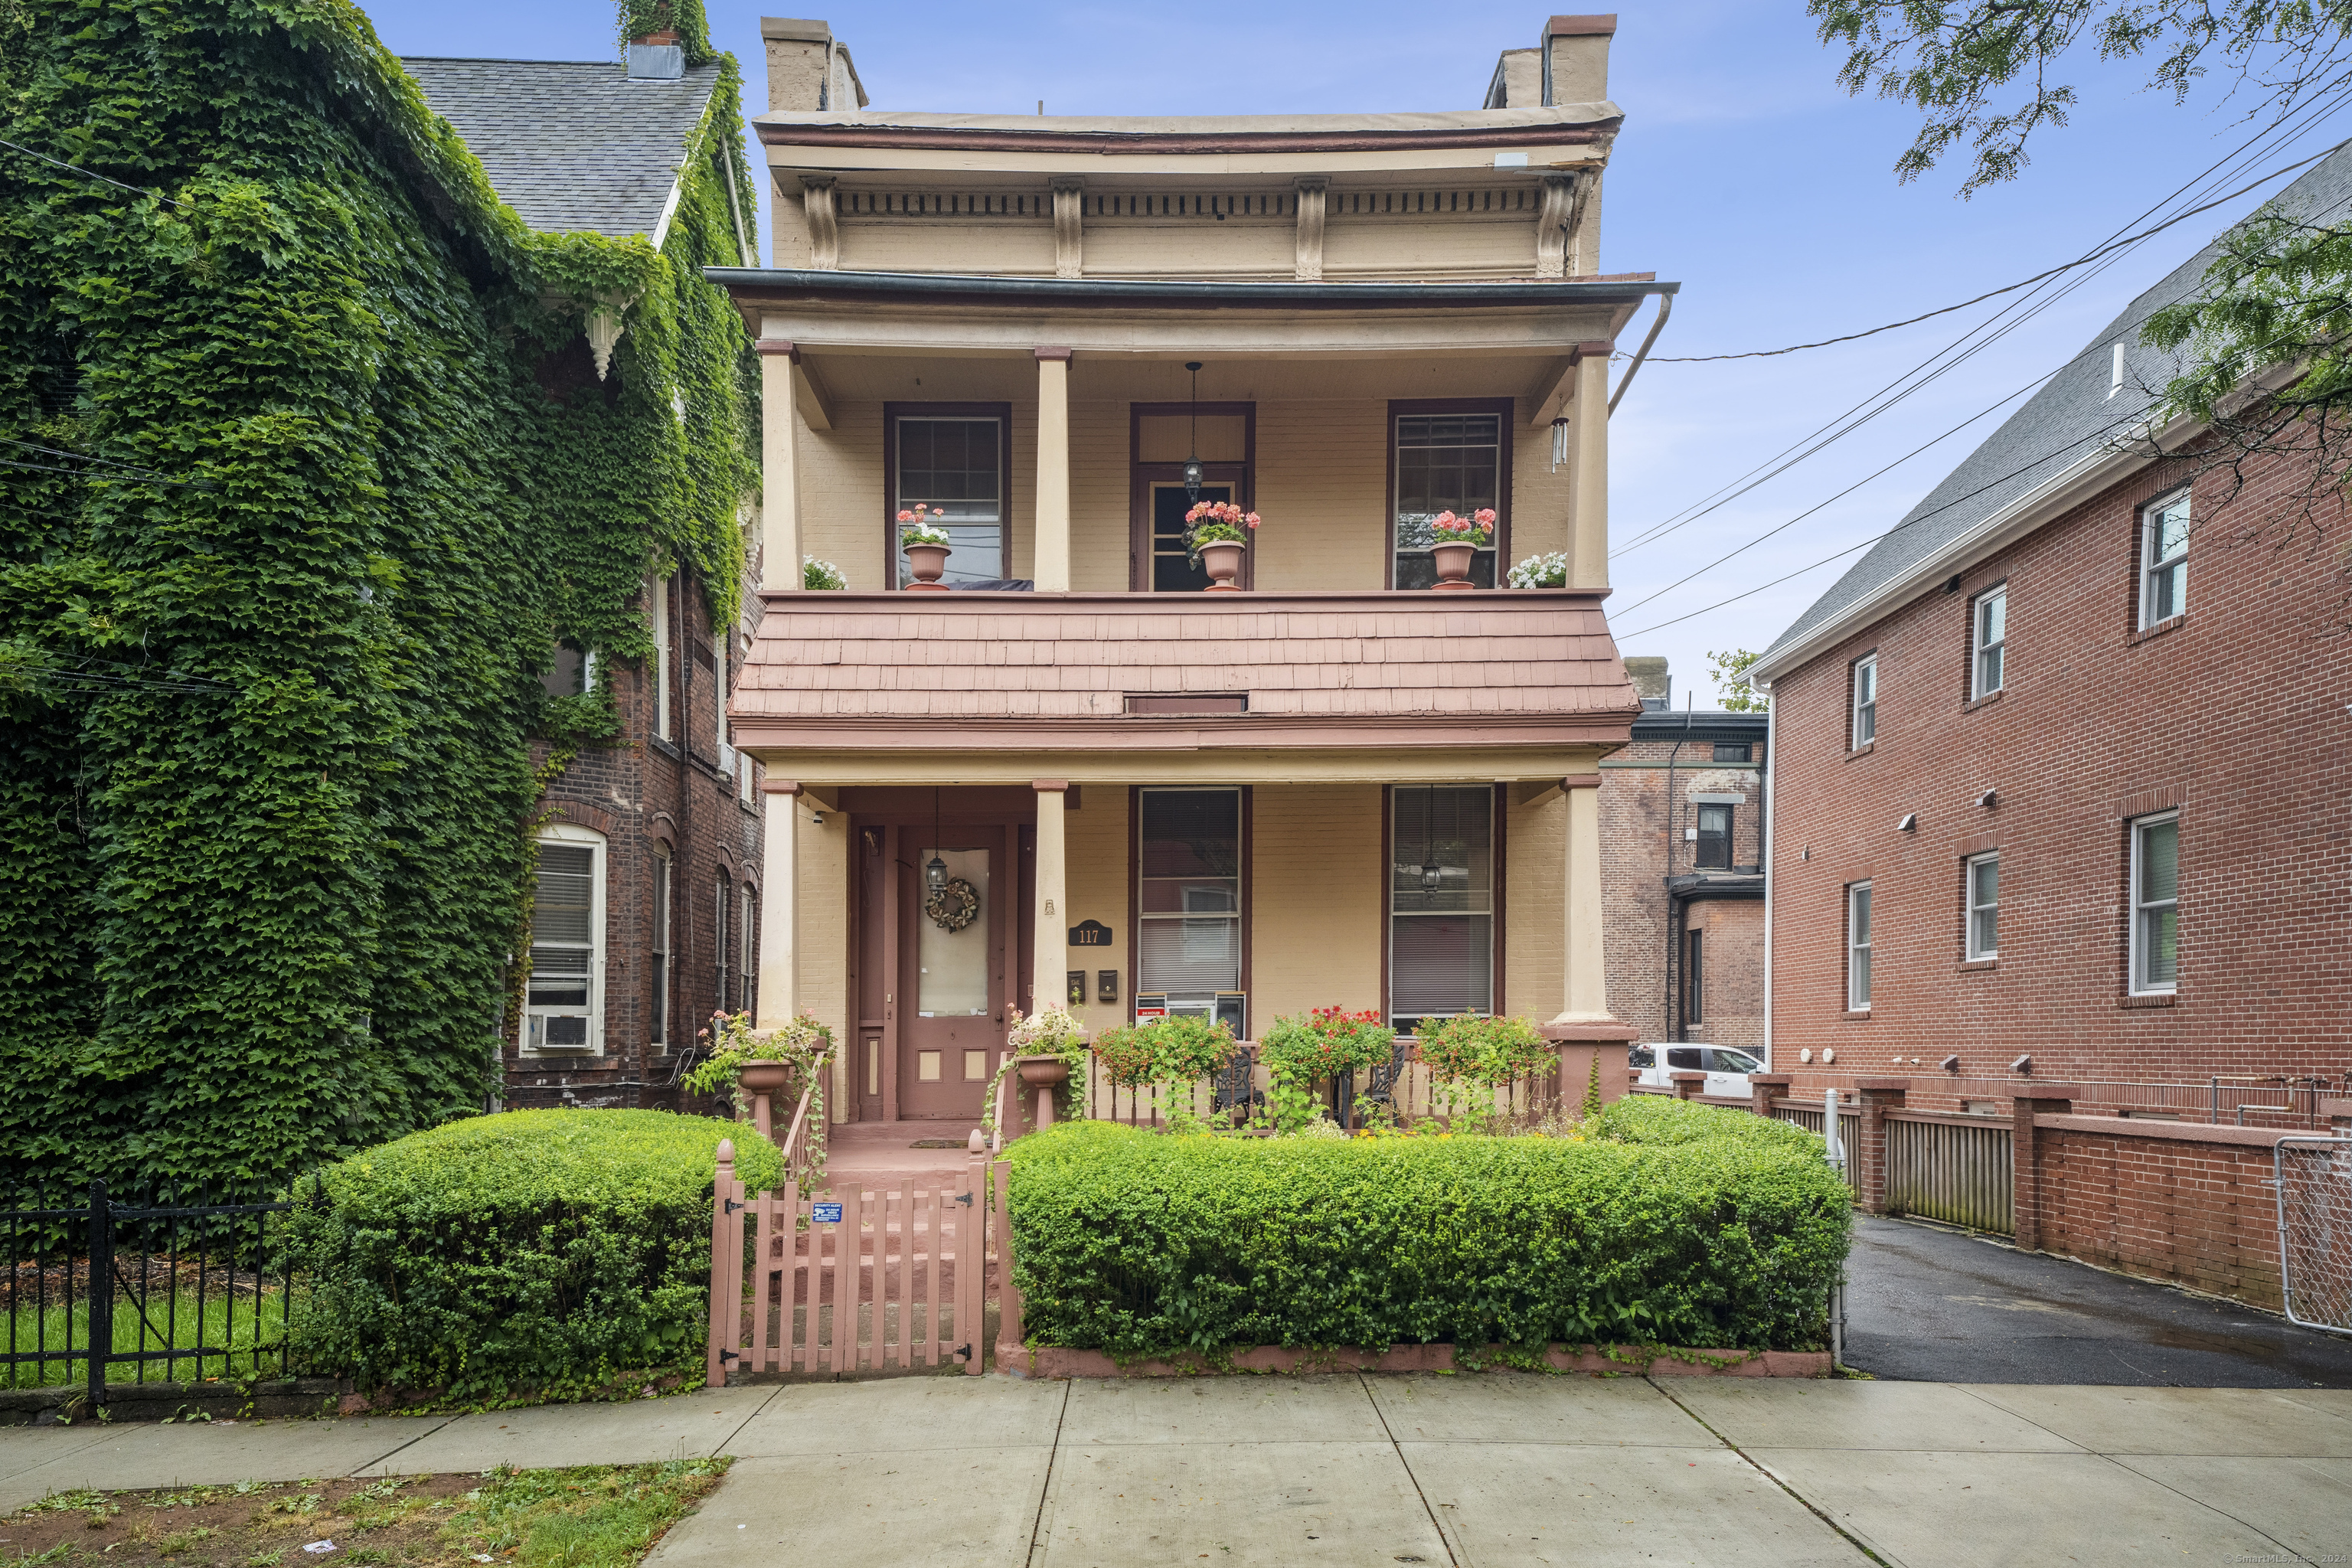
<point>1251,520</point>
<point>906,517</point>
<point>1486,515</point>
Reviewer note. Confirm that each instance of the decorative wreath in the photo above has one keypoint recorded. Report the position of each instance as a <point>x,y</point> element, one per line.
<point>953,906</point>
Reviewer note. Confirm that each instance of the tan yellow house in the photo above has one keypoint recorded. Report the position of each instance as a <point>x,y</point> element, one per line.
<point>1336,786</point>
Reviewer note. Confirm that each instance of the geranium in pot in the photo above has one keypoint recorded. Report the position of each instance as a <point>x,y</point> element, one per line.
<point>1218,531</point>
<point>1458,540</point>
<point>1471,1059</point>
<point>1173,1053</point>
<point>1330,1044</point>
<point>923,535</point>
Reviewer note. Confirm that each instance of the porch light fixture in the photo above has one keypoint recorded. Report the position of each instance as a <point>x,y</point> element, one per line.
<point>935,872</point>
<point>1192,469</point>
<point>1433,875</point>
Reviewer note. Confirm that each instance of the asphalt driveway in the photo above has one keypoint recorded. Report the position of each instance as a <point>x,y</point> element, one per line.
<point>1926,1304</point>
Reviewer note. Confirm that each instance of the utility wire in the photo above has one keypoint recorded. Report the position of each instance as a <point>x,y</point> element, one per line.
<point>91,174</point>
<point>2314,114</point>
<point>92,457</point>
<point>2083,260</point>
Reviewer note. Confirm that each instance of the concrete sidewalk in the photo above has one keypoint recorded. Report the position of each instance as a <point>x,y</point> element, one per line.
<point>1492,1469</point>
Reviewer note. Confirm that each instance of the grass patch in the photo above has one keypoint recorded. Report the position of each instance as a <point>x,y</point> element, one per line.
<point>592,1516</point>
<point>250,1334</point>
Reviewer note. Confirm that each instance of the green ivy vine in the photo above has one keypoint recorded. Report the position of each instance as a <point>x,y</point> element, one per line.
<point>306,473</point>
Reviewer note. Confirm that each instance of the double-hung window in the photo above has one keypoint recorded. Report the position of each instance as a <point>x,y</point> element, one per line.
<point>1984,906</point>
<point>1441,902</point>
<point>1714,838</point>
<point>657,592</point>
<point>954,468</point>
<point>1694,977</point>
<point>2156,904</point>
<point>1190,948</point>
<point>1857,948</point>
<point>2164,559</point>
<point>1444,462</point>
<point>746,930</point>
<point>718,943</point>
<point>1865,701</point>
<point>563,1005</point>
<point>1990,635</point>
<point>659,1012</point>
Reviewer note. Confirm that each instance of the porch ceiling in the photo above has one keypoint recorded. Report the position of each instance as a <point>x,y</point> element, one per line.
<point>1529,680</point>
<point>859,375</point>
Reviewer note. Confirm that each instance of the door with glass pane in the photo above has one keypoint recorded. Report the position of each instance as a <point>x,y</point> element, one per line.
<point>952,973</point>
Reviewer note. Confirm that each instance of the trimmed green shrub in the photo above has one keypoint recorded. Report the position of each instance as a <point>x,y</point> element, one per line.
<point>1670,1224</point>
<point>555,1252</point>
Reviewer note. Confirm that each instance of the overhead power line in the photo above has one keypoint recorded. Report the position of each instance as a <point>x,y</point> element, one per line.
<point>2083,260</point>
<point>91,174</point>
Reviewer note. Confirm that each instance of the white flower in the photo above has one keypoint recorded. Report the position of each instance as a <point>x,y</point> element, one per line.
<point>1541,570</point>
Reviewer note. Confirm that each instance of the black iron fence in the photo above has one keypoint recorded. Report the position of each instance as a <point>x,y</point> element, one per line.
<point>111,1290</point>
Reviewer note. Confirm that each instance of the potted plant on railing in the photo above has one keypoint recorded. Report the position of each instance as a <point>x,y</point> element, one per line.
<point>1458,538</point>
<point>1048,1050</point>
<point>752,1066</point>
<point>923,536</point>
<point>1471,1059</point>
<point>1541,570</point>
<point>1330,1044</point>
<point>1218,531</point>
<point>1172,1054</point>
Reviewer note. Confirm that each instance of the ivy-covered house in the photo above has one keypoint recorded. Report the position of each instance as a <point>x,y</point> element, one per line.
<point>645,914</point>
<point>330,492</point>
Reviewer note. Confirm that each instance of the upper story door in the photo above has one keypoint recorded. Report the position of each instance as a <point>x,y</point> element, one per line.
<point>1162,435</point>
<point>1164,558</point>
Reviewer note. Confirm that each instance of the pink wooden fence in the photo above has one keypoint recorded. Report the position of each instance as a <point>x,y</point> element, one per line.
<point>853,1280</point>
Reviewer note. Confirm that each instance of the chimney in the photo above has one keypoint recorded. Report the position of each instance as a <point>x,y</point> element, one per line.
<point>1576,58</point>
<point>808,68</point>
<point>1517,82</point>
<point>1649,678</point>
<point>657,56</point>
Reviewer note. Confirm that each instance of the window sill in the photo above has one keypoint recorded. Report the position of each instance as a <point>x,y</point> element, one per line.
<point>1971,965</point>
<point>2151,999</point>
<point>2170,623</point>
<point>1987,701</point>
<point>668,748</point>
<point>1855,1013</point>
<point>1862,751</point>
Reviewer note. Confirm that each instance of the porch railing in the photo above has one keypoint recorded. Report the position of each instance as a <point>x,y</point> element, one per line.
<point>1956,1169</point>
<point>1409,1088</point>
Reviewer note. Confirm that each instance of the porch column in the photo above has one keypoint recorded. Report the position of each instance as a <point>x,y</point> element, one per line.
<point>1049,944</point>
<point>780,502</point>
<point>779,904</point>
<point>1590,568</point>
<point>1585,1027</point>
<point>1051,569</point>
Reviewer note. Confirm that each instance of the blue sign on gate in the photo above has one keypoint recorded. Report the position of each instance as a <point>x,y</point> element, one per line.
<point>826,1213</point>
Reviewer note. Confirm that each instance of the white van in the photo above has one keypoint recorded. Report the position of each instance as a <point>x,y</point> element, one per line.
<point>1727,1069</point>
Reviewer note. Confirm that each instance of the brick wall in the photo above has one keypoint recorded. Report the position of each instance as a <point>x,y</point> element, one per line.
<point>2234,712</point>
<point>641,791</point>
<point>2189,1204</point>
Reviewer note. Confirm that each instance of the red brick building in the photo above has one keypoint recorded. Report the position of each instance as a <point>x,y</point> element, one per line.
<point>1682,840</point>
<point>645,917</point>
<point>2059,766</point>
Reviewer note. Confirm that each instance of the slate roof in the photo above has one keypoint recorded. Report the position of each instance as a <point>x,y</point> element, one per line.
<point>570,144</point>
<point>826,665</point>
<point>2070,418</point>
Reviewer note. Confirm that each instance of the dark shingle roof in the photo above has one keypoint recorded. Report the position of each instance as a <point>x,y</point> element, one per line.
<point>572,144</point>
<point>2071,419</point>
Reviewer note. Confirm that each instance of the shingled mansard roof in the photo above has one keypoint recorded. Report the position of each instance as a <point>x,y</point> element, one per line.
<point>2071,420</point>
<point>572,144</point>
<point>1540,663</point>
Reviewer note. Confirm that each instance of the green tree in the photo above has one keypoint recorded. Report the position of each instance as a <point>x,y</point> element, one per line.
<point>1729,673</point>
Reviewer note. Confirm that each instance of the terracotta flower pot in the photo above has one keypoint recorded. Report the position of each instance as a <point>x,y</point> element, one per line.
<point>1043,1072</point>
<point>1454,565</point>
<point>929,562</point>
<point>764,1078</point>
<point>1223,558</point>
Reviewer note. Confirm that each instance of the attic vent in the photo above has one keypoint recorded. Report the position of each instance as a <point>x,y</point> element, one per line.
<point>1187,704</point>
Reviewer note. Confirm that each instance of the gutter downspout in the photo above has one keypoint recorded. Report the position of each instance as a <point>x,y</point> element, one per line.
<point>1665,309</point>
<point>1674,936</point>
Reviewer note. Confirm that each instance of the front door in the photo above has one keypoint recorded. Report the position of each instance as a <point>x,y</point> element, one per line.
<point>953,968</point>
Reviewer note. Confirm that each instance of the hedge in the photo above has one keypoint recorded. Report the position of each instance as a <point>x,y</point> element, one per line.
<point>1673,1224</point>
<point>560,1253</point>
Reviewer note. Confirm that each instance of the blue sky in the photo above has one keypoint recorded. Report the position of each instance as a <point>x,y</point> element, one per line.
<point>1743,171</point>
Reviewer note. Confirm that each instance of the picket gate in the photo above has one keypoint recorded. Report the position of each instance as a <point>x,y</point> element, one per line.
<point>854,1281</point>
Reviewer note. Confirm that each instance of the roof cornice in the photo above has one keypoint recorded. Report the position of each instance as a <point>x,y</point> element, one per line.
<point>752,284</point>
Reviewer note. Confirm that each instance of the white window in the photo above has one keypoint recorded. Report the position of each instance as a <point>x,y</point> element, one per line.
<point>659,665</point>
<point>564,1002</point>
<point>748,934</point>
<point>660,944</point>
<point>720,945</point>
<point>1857,948</point>
<point>720,672</point>
<point>1991,637</point>
<point>2164,560</point>
<point>2156,904</point>
<point>1190,843</point>
<point>1441,902</point>
<point>1984,906</point>
<point>1865,701</point>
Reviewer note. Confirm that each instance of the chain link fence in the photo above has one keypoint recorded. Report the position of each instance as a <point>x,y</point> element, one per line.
<point>2315,1222</point>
